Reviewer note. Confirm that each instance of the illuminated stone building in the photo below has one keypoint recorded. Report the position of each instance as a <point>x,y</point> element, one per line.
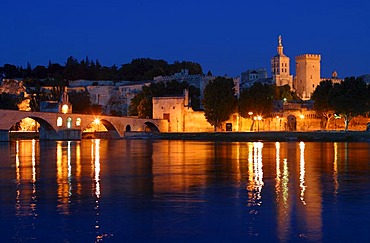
<point>307,75</point>
<point>280,67</point>
<point>181,117</point>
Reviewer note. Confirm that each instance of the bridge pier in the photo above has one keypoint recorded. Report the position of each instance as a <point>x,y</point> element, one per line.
<point>65,134</point>
<point>4,135</point>
<point>70,134</point>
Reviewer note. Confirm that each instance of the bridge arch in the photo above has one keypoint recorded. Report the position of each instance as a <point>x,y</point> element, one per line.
<point>152,127</point>
<point>46,129</point>
<point>112,130</point>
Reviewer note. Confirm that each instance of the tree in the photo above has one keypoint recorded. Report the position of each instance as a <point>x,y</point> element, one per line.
<point>81,102</point>
<point>9,101</point>
<point>145,108</point>
<point>321,98</point>
<point>10,71</point>
<point>36,95</point>
<point>257,99</point>
<point>284,93</point>
<point>219,101</point>
<point>141,104</point>
<point>350,98</point>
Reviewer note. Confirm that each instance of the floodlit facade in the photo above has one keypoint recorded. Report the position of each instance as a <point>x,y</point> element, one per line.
<point>307,75</point>
<point>280,67</point>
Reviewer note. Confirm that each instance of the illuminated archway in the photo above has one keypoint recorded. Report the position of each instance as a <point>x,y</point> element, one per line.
<point>45,129</point>
<point>69,122</point>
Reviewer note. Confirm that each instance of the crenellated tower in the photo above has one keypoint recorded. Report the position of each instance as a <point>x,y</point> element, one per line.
<point>307,75</point>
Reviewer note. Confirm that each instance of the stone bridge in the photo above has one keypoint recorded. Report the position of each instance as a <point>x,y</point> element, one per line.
<point>59,126</point>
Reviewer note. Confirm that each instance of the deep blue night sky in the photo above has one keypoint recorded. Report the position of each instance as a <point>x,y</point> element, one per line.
<point>226,37</point>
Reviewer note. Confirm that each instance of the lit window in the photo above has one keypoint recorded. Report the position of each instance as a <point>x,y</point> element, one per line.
<point>64,108</point>
<point>78,122</point>
<point>69,122</point>
<point>59,122</point>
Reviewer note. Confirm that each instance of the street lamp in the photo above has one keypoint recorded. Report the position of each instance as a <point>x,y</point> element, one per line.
<point>97,123</point>
<point>259,118</point>
<point>250,116</point>
<point>302,118</point>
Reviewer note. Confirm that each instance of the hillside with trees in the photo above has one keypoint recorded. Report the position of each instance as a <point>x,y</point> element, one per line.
<point>137,70</point>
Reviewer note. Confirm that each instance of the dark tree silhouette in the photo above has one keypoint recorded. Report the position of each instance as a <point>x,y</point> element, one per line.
<point>219,101</point>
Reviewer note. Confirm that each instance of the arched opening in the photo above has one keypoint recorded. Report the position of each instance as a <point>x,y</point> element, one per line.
<point>69,122</point>
<point>59,122</point>
<point>292,123</point>
<point>128,128</point>
<point>150,127</point>
<point>100,129</point>
<point>42,129</point>
<point>78,122</point>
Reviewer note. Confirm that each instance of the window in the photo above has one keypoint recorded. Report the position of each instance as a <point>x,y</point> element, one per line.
<point>59,122</point>
<point>69,122</point>
<point>65,109</point>
<point>78,122</point>
<point>166,116</point>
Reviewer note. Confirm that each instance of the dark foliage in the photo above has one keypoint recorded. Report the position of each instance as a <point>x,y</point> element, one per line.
<point>137,70</point>
<point>219,101</point>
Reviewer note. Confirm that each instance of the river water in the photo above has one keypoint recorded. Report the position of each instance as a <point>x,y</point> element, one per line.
<point>184,191</point>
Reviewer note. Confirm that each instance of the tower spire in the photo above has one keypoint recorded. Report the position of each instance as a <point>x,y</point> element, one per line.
<point>280,45</point>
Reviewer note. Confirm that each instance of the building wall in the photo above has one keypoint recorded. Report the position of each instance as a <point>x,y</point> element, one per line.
<point>281,70</point>
<point>195,121</point>
<point>170,108</point>
<point>308,75</point>
<point>99,95</point>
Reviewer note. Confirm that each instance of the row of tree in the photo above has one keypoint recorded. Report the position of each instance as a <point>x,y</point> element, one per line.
<point>347,99</point>
<point>137,70</point>
<point>220,100</point>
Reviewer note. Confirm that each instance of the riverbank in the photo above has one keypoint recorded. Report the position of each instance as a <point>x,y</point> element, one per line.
<point>324,136</point>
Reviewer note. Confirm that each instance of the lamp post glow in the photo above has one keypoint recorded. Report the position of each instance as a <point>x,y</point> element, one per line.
<point>250,116</point>
<point>259,118</point>
<point>302,118</point>
<point>97,123</point>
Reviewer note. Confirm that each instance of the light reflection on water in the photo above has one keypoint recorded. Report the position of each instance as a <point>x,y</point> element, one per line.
<point>101,190</point>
